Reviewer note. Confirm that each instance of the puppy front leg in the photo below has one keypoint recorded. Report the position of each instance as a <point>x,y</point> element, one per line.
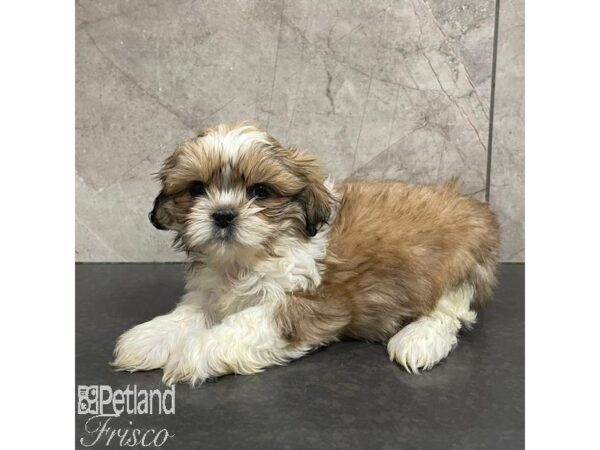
<point>244,343</point>
<point>147,346</point>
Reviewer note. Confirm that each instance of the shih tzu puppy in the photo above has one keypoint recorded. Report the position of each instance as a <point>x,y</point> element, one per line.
<point>282,261</point>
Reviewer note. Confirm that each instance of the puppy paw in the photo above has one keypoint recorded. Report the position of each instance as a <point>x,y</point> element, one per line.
<point>144,347</point>
<point>421,345</point>
<point>182,368</point>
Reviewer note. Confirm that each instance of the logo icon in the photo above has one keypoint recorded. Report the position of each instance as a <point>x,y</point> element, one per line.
<point>88,399</point>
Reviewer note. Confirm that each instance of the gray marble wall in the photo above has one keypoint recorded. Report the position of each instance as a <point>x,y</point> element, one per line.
<point>397,89</point>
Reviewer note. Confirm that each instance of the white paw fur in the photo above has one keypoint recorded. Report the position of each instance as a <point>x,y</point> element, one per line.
<point>143,347</point>
<point>149,345</point>
<point>428,340</point>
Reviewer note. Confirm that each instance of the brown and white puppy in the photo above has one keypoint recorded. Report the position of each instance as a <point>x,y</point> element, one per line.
<point>282,261</point>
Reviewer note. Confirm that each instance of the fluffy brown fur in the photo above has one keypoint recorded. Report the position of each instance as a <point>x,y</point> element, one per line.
<point>394,249</point>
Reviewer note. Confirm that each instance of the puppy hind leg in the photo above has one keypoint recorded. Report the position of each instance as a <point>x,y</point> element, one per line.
<point>426,341</point>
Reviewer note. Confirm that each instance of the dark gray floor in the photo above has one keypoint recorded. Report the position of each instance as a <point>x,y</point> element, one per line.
<point>347,395</point>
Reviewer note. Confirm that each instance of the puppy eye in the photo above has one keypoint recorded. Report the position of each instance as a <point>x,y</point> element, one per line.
<point>197,189</point>
<point>259,191</point>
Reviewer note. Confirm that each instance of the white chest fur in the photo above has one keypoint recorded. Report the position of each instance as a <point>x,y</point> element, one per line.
<point>223,292</point>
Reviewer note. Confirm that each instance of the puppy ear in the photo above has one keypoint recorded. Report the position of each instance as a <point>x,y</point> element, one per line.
<point>163,214</point>
<point>159,216</point>
<point>315,198</point>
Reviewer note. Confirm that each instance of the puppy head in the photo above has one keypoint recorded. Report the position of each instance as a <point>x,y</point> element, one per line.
<point>235,189</point>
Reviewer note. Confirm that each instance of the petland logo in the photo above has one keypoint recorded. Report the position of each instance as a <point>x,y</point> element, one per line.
<point>106,405</point>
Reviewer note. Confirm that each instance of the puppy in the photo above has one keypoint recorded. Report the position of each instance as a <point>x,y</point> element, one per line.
<point>281,262</point>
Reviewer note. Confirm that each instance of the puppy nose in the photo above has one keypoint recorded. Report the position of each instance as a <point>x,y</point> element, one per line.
<point>224,217</point>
